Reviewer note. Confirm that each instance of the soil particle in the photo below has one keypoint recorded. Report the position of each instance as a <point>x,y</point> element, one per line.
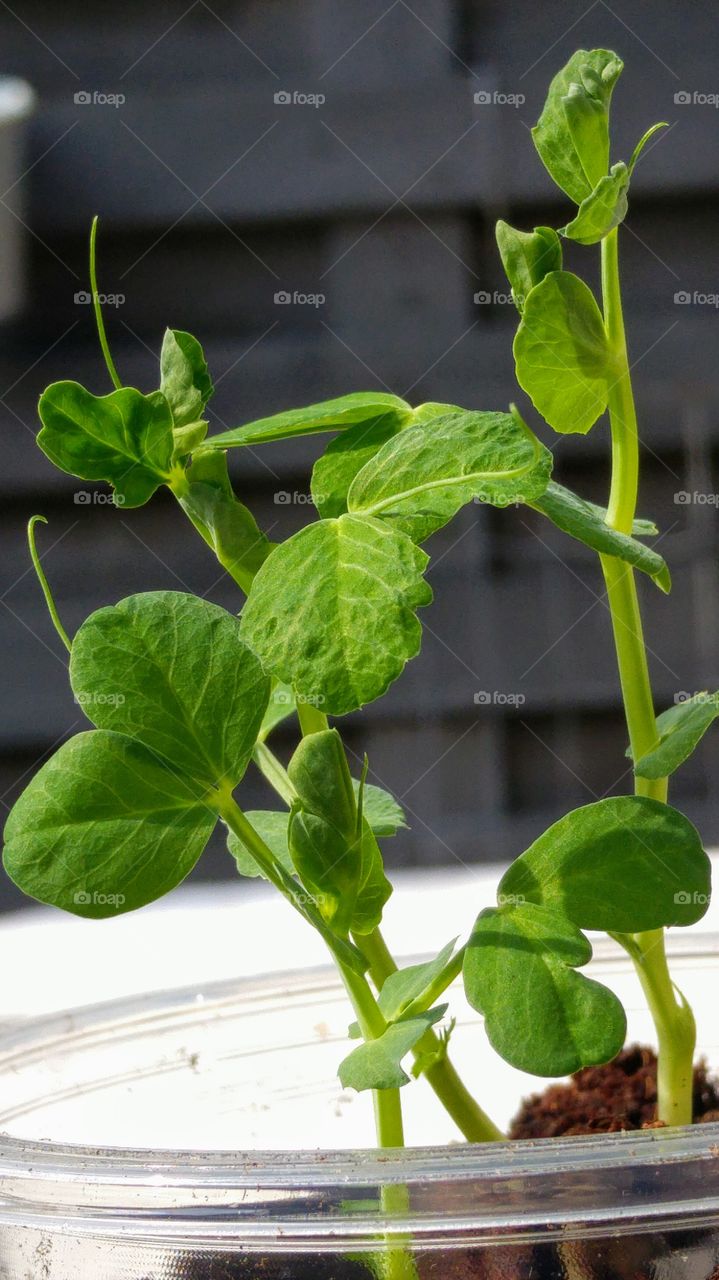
<point>618,1096</point>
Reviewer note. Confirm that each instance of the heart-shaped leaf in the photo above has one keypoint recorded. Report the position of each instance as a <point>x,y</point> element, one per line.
<point>124,438</point>
<point>624,865</point>
<point>420,479</point>
<point>172,671</point>
<point>572,133</point>
<point>562,353</point>
<point>586,522</point>
<point>330,415</point>
<point>377,1064</point>
<point>185,380</point>
<point>527,257</point>
<point>331,611</point>
<point>540,1015</point>
<point>680,730</point>
<point>105,827</point>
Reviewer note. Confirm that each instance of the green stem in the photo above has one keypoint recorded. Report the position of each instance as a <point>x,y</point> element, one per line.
<point>275,772</point>
<point>51,606</point>
<point>442,1076</point>
<point>109,362</point>
<point>673,1020</point>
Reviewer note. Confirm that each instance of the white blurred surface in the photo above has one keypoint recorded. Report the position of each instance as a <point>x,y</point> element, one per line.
<point>51,961</point>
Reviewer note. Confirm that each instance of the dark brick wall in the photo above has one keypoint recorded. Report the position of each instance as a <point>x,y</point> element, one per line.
<point>214,197</point>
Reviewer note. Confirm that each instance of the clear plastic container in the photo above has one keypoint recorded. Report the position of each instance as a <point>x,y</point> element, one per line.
<point>134,1135</point>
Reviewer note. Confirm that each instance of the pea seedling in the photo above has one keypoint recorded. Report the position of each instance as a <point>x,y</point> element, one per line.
<point>184,697</point>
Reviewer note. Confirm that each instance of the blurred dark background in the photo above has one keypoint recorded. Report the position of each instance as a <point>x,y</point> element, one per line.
<point>377,196</point>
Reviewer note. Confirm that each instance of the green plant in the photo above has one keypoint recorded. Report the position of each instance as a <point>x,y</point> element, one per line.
<point>184,697</point>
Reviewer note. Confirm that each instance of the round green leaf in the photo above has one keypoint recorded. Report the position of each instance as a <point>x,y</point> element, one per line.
<point>624,865</point>
<point>105,827</point>
<point>540,1015</point>
<point>173,671</point>
<point>331,611</point>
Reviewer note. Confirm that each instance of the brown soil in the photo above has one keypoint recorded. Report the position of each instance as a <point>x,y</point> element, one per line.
<point>620,1095</point>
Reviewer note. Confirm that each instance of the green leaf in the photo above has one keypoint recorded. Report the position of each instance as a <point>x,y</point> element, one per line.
<point>527,257</point>
<point>680,730</point>
<point>333,848</point>
<point>400,989</point>
<point>603,210</point>
<point>624,865</point>
<point>331,611</point>
<point>172,671</point>
<point>377,1064</point>
<point>105,827</point>
<point>222,520</point>
<point>272,828</point>
<point>124,438</point>
<point>585,522</point>
<point>383,813</point>
<point>330,415</point>
<point>433,409</point>
<point>540,1015</point>
<point>344,457</point>
<point>281,705</point>
<point>572,133</point>
<point>422,477</point>
<point>185,381</point>
<point>562,353</point>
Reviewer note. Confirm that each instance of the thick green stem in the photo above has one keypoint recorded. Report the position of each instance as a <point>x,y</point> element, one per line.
<point>673,1020</point>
